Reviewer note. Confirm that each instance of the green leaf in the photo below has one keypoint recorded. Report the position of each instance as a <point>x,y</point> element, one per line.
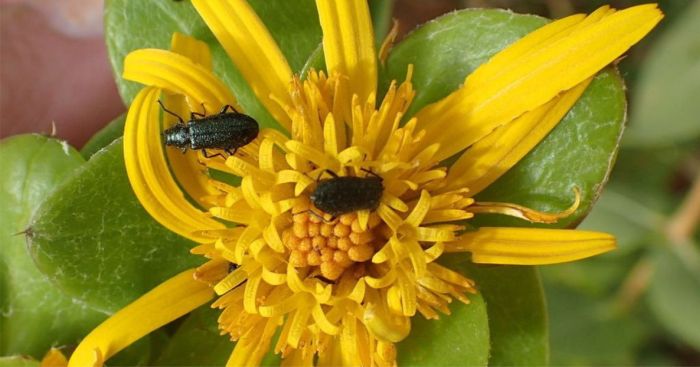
<point>584,143</point>
<point>197,342</point>
<point>293,24</point>
<point>35,314</point>
<point>104,137</point>
<point>674,293</point>
<point>95,240</point>
<point>447,49</point>
<point>665,109</point>
<point>460,339</point>
<point>517,314</point>
<point>18,361</point>
<point>381,18</point>
<point>587,331</point>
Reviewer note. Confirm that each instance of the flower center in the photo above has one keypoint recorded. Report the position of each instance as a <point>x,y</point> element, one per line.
<point>330,245</point>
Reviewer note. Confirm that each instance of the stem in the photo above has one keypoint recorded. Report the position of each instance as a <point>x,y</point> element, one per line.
<point>559,8</point>
<point>634,285</point>
<point>681,226</point>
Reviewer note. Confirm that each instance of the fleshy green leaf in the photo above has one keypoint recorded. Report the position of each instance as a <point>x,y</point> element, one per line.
<point>460,339</point>
<point>104,137</point>
<point>517,314</point>
<point>131,25</point>
<point>197,342</point>
<point>93,237</point>
<point>584,143</point>
<point>665,109</point>
<point>447,49</point>
<point>674,294</point>
<point>35,313</point>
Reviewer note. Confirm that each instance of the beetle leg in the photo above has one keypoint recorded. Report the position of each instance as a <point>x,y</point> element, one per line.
<point>170,112</point>
<point>369,171</point>
<point>227,107</point>
<point>196,114</point>
<point>335,175</point>
<point>319,216</point>
<point>231,152</point>
<point>206,155</point>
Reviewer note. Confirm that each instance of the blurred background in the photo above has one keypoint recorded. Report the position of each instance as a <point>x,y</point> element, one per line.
<point>638,305</point>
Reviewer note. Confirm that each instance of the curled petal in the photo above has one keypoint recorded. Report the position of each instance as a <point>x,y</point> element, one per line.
<point>178,74</point>
<point>382,322</point>
<point>531,215</point>
<point>150,176</point>
<point>186,167</point>
<point>164,303</point>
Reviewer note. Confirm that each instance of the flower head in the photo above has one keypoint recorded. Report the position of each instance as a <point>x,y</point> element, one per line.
<point>341,286</point>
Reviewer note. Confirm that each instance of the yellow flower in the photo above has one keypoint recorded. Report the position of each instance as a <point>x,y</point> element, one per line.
<point>54,358</point>
<point>343,290</point>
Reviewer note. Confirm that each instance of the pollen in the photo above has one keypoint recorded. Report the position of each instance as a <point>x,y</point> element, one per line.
<point>330,245</point>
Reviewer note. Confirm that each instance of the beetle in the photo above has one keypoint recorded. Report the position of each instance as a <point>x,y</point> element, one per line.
<point>344,194</point>
<point>225,130</point>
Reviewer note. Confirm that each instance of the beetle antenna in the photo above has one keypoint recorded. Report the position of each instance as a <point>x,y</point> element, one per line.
<point>171,112</point>
<point>369,171</point>
<point>319,216</point>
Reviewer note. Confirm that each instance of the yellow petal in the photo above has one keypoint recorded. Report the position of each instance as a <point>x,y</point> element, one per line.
<point>164,303</point>
<point>384,325</point>
<point>494,155</point>
<point>531,246</point>
<point>178,74</point>
<point>54,358</point>
<point>185,166</point>
<point>251,47</point>
<point>348,43</point>
<point>388,42</point>
<point>190,173</point>
<point>192,49</point>
<point>252,346</point>
<point>149,174</point>
<point>531,72</point>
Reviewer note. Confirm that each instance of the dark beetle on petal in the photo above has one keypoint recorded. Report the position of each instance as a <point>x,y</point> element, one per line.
<point>225,130</point>
<point>340,195</point>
